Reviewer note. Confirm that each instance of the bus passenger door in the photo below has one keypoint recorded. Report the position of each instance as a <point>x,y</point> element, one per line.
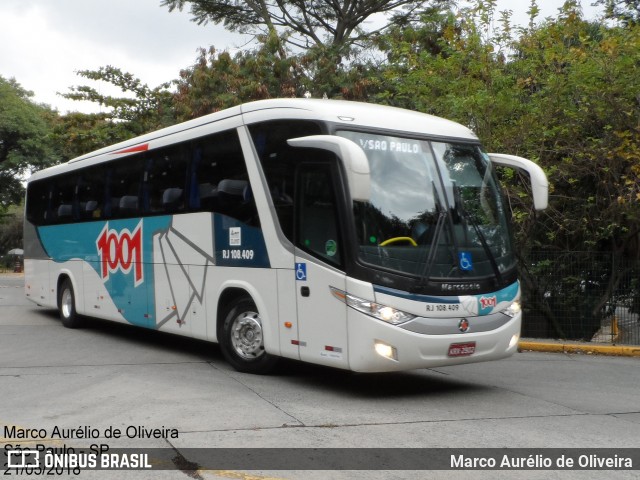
<point>322,319</point>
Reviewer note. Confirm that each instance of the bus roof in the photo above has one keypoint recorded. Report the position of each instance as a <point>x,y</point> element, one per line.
<point>348,113</point>
<point>368,115</point>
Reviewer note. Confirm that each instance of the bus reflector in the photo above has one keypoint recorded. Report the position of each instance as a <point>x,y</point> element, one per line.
<point>288,324</point>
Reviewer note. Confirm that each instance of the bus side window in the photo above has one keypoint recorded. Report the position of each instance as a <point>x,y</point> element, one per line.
<point>203,176</point>
<point>90,194</point>
<point>279,160</point>
<point>63,201</point>
<point>38,203</point>
<point>165,181</point>
<point>219,180</point>
<point>124,188</point>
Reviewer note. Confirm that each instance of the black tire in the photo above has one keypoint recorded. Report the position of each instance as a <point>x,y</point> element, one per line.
<point>241,341</point>
<point>67,305</point>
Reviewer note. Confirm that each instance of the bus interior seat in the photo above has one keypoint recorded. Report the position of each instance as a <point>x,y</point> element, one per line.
<point>232,188</point>
<point>128,204</point>
<point>65,211</point>
<point>90,207</point>
<point>206,190</point>
<point>171,198</point>
<point>235,199</point>
<point>208,195</point>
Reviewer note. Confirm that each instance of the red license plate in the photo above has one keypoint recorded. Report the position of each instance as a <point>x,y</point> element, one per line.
<point>462,349</point>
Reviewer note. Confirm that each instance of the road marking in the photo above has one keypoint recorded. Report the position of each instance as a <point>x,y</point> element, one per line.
<point>238,475</point>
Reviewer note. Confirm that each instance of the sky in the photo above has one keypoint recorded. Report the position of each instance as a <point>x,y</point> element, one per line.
<point>44,42</point>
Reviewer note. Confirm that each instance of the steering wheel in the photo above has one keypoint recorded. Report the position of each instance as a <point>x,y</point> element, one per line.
<point>392,240</point>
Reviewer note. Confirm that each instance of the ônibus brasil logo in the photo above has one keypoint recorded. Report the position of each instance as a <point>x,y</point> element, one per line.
<point>121,251</point>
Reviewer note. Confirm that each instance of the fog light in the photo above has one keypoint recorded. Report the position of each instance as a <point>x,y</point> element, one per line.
<point>386,351</point>
<point>514,340</point>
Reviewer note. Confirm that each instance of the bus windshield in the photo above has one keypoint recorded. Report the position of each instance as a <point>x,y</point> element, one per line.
<point>435,211</point>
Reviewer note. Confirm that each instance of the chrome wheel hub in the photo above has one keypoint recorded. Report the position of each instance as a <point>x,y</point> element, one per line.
<point>66,302</point>
<point>246,335</point>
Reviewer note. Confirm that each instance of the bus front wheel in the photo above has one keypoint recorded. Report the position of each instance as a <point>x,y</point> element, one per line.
<point>242,340</point>
<point>67,305</point>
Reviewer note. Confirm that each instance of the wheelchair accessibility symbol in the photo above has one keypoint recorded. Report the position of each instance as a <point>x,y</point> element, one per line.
<point>301,271</point>
<point>464,261</point>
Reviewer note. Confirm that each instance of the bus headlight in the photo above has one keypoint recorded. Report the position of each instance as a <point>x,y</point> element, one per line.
<point>513,310</point>
<point>373,309</point>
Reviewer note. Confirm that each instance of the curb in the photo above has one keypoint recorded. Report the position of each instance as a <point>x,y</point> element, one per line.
<point>614,350</point>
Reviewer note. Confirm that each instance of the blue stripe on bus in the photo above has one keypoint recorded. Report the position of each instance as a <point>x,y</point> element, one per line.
<point>415,297</point>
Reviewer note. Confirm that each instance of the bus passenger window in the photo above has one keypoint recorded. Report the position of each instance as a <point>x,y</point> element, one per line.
<point>165,180</point>
<point>38,202</point>
<point>63,199</point>
<point>90,193</point>
<point>124,180</point>
<point>279,160</point>
<point>219,180</point>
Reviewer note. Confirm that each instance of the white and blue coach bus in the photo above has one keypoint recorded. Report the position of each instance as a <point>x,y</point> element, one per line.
<point>357,236</point>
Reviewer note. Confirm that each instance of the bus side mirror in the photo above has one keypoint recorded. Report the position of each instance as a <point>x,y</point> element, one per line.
<point>352,157</point>
<point>539,182</point>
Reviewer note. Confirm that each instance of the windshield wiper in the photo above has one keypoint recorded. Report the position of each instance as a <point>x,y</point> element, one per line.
<point>443,216</point>
<point>483,240</point>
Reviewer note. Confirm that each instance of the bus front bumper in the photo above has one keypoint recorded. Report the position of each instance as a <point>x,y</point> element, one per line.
<point>375,346</point>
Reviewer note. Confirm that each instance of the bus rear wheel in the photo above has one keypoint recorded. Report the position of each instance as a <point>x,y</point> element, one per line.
<point>242,340</point>
<point>67,305</point>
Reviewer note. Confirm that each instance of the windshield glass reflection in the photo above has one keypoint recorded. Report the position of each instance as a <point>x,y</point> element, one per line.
<point>435,211</point>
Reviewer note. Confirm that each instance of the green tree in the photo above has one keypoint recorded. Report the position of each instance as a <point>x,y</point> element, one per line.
<point>329,37</point>
<point>76,133</point>
<point>11,229</point>
<point>219,80</point>
<point>25,139</point>
<point>627,12</point>
<point>141,109</point>
<point>302,23</point>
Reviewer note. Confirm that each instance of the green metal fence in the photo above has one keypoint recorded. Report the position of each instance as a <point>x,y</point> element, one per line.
<point>584,296</point>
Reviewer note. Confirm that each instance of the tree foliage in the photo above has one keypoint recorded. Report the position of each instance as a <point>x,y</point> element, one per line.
<point>78,133</point>
<point>302,23</point>
<point>25,139</point>
<point>11,229</point>
<point>562,93</point>
<point>219,80</point>
<point>139,110</point>
<point>627,12</point>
